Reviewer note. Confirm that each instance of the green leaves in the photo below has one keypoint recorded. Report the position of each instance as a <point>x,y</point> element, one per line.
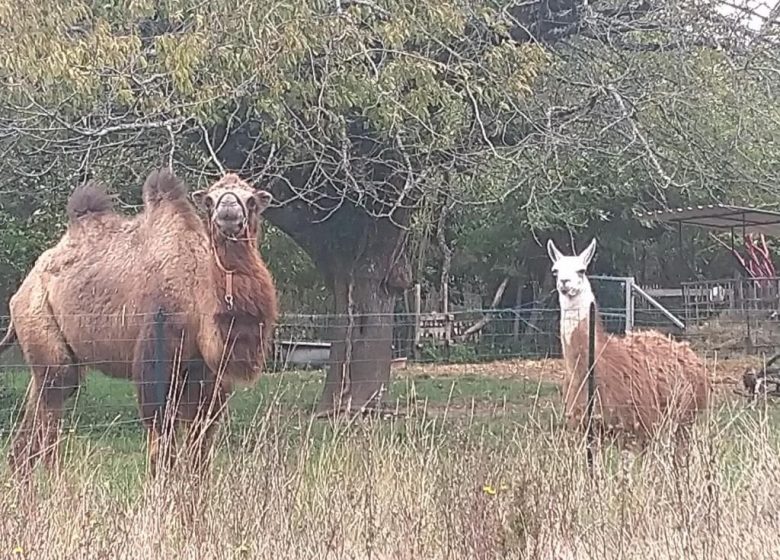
<point>538,136</point>
<point>404,65</point>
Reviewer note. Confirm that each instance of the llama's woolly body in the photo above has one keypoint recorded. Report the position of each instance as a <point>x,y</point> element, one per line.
<point>643,379</point>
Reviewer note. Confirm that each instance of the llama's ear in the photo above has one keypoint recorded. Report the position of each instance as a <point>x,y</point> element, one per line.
<point>553,251</point>
<point>587,254</point>
<point>263,200</point>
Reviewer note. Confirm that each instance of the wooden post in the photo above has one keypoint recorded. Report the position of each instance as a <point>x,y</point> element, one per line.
<point>518,302</point>
<point>629,304</point>
<point>591,384</point>
<point>407,341</point>
<point>417,313</point>
<point>445,309</point>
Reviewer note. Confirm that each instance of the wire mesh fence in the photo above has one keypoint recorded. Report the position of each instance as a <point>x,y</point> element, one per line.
<point>522,343</point>
<point>306,341</point>
<point>489,379</point>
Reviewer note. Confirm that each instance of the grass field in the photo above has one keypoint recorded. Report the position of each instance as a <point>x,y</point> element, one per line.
<point>476,468</point>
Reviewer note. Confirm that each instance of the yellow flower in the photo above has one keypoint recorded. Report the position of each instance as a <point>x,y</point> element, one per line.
<point>18,550</point>
<point>489,490</point>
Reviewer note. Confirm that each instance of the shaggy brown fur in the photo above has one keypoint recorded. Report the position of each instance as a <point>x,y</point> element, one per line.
<point>89,198</point>
<point>643,380</point>
<point>91,301</point>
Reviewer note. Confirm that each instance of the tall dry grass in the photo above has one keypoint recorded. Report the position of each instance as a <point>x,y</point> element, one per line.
<point>416,489</point>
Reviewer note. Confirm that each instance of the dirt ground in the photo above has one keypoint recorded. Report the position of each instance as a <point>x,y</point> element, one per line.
<point>726,374</point>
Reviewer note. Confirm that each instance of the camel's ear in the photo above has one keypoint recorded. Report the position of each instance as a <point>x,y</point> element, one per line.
<point>553,251</point>
<point>263,200</point>
<point>199,197</point>
<point>587,254</point>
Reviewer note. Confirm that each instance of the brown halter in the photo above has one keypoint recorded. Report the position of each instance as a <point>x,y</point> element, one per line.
<point>228,276</point>
<point>229,300</point>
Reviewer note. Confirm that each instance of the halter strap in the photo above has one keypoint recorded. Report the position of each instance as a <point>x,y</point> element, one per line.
<point>228,276</point>
<point>229,300</point>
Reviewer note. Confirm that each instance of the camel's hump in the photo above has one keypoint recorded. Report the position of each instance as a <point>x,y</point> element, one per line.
<point>162,184</point>
<point>89,198</point>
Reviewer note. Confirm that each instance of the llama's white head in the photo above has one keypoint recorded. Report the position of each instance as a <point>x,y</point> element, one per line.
<point>571,280</point>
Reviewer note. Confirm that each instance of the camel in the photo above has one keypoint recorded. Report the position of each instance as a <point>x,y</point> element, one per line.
<point>643,379</point>
<point>182,306</point>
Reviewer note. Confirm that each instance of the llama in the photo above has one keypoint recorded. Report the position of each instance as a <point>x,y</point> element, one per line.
<point>644,380</point>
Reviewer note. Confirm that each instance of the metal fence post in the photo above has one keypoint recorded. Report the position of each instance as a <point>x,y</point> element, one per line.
<point>159,363</point>
<point>629,304</point>
<point>591,383</point>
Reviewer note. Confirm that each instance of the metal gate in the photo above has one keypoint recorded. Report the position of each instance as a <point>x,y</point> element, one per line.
<point>618,296</point>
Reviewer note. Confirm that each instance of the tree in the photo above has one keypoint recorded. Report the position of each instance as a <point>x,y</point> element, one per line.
<point>354,111</point>
<point>650,125</point>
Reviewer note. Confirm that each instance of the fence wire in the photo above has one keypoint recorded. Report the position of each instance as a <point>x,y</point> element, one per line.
<point>452,350</point>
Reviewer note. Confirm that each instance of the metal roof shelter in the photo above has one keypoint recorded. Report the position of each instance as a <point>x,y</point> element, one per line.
<point>721,217</point>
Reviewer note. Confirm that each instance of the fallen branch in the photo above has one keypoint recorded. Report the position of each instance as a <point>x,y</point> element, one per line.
<point>479,325</point>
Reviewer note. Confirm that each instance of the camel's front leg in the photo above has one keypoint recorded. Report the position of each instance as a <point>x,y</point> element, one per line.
<point>202,405</point>
<point>155,365</point>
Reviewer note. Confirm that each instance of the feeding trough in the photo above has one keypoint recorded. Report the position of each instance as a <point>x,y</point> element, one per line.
<point>303,353</point>
<point>316,354</point>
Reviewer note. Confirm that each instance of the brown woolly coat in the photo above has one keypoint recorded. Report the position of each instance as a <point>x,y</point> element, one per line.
<point>92,297</point>
<point>643,380</point>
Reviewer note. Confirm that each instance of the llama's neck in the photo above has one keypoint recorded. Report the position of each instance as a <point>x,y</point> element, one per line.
<point>575,312</point>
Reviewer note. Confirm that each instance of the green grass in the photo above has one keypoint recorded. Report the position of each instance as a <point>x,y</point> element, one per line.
<point>102,402</point>
<point>475,470</point>
<point>101,420</point>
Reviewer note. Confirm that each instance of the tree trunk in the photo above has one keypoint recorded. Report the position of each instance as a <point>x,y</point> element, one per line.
<point>365,280</point>
<point>361,344</point>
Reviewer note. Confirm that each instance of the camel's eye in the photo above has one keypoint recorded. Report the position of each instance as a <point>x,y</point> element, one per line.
<point>251,204</point>
<point>581,272</point>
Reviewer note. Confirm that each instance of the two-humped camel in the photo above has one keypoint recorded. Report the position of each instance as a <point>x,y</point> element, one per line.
<point>92,301</point>
<point>644,379</point>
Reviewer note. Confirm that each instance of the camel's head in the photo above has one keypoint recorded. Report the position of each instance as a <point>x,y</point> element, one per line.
<point>233,206</point>
<point>570,278</point>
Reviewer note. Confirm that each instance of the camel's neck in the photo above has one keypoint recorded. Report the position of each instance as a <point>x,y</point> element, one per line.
<point>236,256</point>
<point>245,310</point>
<point>240,274</point>
<point>575,318</point>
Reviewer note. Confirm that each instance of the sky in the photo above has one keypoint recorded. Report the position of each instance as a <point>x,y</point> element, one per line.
<point>752,13</point>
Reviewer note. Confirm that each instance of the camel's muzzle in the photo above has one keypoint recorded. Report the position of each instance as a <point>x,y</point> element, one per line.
<point>230,215</point>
